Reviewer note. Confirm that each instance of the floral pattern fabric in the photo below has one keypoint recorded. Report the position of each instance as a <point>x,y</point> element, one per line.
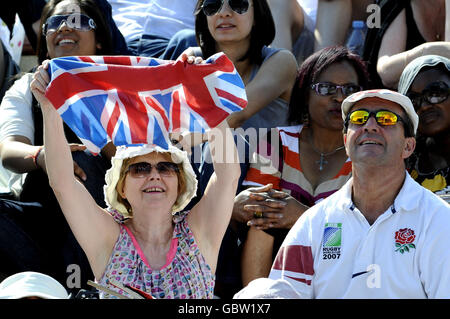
<point>186,274</point>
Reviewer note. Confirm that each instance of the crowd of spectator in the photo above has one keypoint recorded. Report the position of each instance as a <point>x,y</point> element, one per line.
<point>270,216</point>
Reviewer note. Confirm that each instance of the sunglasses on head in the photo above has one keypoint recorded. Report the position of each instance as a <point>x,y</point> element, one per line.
<point>326,88</point>
<point>211,7</point>
<point>436,92</point>
<point>143,169</point>
<point>383,117</point>
<point>80,22</point>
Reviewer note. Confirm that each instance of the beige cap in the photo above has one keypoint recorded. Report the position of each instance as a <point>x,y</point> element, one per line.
<point>384,94</point>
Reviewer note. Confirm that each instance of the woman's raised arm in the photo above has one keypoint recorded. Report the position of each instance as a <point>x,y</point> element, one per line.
<point>209,219</point>
<point>94,229</point>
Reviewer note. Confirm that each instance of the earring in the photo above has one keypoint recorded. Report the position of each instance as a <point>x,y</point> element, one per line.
<point>305,119</point>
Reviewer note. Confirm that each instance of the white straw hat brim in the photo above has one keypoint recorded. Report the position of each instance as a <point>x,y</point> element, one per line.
<point>124,152</point>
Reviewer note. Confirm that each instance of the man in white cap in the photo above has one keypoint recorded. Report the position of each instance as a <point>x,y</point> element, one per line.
<point>381,235</point>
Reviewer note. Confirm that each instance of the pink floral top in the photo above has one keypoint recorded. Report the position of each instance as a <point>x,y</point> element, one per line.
<point>185,274</point>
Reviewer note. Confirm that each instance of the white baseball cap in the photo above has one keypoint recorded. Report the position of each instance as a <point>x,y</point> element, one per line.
<point>31,284</point>
<point>123,152</point>
<point>384,94</point>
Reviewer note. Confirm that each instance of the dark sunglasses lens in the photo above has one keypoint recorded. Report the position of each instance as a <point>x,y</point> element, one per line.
<point>166,168</point>
<point>54,22</point>
<point>435,95</point>
<point>211,7</point>
<point>239,6</point>
<point>140,169</point>
<point>349,89</point>
<point>416,100</point>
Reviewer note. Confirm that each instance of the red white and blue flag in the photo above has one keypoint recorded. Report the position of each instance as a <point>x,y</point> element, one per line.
<point>139,100</point>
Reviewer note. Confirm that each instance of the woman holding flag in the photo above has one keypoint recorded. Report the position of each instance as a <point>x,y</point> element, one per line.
<point>69,28</point>
<point>144,240</point>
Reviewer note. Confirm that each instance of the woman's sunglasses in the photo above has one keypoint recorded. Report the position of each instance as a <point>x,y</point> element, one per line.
<point>383,117</point>
<point>80,22</point>
<point>326,88</point>
<point>211,7</point>
<point>143,169</point>
<point>436,92</point>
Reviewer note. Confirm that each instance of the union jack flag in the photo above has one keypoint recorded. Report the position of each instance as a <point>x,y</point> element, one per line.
<point>139,100</point>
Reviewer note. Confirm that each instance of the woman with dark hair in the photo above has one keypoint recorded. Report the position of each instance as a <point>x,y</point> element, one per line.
<point>70,28</point>
<point>302,164</point>
<point>426,81</point>
<point>243,30</point>
<point>102,33</point>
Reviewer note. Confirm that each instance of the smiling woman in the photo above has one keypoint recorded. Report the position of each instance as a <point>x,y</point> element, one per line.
<point>243,29</point>
<point>145,239</point>
<point>69,27</point>
<point>83,32</point>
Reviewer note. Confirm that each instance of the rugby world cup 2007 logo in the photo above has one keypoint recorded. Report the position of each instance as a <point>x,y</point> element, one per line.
<point>332,239</point>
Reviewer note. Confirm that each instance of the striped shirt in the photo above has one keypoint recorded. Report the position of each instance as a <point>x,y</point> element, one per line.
<point>279,164</point>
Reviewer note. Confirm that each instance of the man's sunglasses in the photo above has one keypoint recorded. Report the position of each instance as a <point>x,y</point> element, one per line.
<point>143,169</point>
<point>326,88</point>
<point>436,92</point>
<point>80,22</point>
<point>211,7</point>
<point>383,117</point>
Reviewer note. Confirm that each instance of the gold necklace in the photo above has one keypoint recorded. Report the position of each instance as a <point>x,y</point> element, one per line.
<point>322,160</point>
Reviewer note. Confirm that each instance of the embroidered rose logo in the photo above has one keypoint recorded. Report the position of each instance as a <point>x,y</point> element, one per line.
<point>404,239</point>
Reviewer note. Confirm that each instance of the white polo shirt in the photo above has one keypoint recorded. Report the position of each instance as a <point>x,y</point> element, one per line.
<point>333,252</point>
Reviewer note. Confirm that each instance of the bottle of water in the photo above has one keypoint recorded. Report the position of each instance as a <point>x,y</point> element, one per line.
<point>357,36</point>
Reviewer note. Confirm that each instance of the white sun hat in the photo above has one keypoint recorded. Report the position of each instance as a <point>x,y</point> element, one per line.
<point>31,284</point>
<point>384,94</point>
<point>123,152</point>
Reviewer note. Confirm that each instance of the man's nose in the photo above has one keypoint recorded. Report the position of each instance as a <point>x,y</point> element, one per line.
<point>371,124</point>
